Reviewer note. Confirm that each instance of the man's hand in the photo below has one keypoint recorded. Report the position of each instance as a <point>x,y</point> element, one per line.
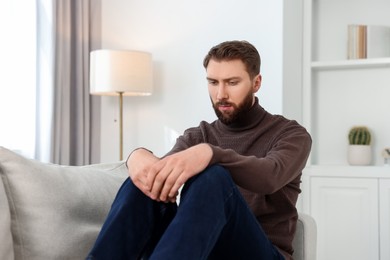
<point>166,176</point>
<point>139,163</point>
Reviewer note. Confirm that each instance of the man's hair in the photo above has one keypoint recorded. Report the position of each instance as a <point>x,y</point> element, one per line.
<point>236,50</point>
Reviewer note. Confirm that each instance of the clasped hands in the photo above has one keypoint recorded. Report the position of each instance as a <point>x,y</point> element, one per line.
<point>161,179</point>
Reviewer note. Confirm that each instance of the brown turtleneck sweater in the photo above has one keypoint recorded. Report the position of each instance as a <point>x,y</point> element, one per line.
<point>265,155</point>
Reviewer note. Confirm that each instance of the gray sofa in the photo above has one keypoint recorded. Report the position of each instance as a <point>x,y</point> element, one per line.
<point>55,212</point>
<point>50,211</point>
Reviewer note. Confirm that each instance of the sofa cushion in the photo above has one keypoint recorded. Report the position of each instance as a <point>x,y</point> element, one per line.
<point>57,211</point>
<point>6,245</point>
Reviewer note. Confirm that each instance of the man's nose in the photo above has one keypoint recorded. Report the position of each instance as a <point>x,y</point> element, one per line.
<point>222,93</point>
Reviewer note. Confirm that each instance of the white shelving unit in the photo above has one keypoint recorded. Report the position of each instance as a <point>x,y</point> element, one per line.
<point>351,204</point>
<point>340,93</point>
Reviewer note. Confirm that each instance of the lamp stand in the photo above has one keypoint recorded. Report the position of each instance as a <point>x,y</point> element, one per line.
<point>120,126</point>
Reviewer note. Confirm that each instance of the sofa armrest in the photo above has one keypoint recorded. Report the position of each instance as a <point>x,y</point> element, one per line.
<point>305,240</point>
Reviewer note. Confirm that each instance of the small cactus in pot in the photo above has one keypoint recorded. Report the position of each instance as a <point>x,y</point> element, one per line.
<point>359,151</point>
<point>359,135</point>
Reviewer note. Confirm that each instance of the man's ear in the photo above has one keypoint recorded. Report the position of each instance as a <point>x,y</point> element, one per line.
<point>257,83</point>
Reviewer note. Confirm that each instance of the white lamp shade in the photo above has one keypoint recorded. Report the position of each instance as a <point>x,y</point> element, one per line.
<point>115,71</point>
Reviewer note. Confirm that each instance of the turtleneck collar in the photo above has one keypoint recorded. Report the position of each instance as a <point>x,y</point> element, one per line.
<point>247,120</point>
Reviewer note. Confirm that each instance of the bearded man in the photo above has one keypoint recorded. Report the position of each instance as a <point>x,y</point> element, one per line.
<point>240,177</point>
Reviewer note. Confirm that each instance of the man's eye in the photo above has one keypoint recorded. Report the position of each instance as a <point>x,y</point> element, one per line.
<point>213,83</point>
<point>233,83</point>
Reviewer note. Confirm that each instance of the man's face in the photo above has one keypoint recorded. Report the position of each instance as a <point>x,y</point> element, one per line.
<point>231,89</point>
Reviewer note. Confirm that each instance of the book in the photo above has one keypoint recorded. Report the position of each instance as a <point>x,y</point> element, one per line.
<point>357,41</point>
<point>368,41</point>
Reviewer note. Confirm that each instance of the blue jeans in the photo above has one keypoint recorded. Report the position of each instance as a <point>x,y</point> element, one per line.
<point>212,222</point>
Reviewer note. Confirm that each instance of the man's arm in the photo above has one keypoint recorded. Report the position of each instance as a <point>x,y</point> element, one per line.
<point>266,165</point>
<point>266,174</point>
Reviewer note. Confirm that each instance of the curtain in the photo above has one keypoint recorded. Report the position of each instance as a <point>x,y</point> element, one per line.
<point>69,124</point>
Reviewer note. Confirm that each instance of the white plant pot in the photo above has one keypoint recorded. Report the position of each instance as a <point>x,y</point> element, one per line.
<point>359,154</point>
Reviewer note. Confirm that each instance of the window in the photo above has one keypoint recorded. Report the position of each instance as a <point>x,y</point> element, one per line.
<point>18,75</point>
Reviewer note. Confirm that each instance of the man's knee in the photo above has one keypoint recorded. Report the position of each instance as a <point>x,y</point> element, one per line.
<point>212,177</point>
<point>217,174</point>
<point>127,193</point>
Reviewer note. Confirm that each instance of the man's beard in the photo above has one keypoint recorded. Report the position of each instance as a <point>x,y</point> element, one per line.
<point>238,110</point>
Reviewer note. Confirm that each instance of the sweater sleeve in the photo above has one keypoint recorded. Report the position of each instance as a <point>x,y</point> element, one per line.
<point>283,162</point>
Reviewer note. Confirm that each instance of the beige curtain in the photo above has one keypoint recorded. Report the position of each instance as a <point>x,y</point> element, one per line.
<point>75,114</point>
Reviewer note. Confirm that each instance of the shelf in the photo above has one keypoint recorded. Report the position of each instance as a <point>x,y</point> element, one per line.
<point>348,64</point>
<point>347,171</point>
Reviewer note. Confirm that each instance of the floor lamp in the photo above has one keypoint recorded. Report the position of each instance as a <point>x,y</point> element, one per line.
<point>120,73</point>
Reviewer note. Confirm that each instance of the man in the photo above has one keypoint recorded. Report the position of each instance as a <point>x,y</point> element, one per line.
<point>241,177</point>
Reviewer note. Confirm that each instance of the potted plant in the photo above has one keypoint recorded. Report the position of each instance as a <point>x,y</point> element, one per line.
<point>359,150</point>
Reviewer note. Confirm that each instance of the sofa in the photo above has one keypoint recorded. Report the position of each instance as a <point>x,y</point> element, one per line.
<point>51,212</point>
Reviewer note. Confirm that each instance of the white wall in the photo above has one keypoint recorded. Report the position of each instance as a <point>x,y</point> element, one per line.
<point>179,34</point>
